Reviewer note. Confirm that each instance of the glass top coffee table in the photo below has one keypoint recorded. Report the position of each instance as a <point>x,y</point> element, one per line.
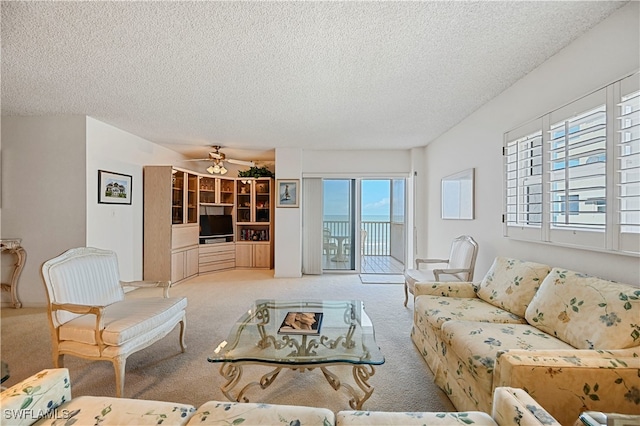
<point>301,335</point>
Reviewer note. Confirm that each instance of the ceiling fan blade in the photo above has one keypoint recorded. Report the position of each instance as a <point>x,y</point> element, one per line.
<point>240,162</point>
<point>216,155</point>
<point>199,159</point>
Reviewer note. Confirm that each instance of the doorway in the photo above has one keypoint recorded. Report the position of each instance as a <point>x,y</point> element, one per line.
<point>338,224</point>
<point>364,227</point>
<point>382,222</point>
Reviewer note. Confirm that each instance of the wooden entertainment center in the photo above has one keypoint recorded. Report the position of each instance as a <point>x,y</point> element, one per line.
<point>195,224</point>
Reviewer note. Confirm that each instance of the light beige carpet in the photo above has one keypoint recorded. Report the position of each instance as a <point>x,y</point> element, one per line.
<point>382,278</point>
<point>403,383</point>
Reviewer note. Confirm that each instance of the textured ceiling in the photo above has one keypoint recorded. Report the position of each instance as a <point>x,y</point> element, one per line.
<point>259,75</point>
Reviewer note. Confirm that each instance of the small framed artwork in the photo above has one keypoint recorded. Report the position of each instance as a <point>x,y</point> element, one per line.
<point>457,195</point>
<point>114,188</point>
<point>288,193</point>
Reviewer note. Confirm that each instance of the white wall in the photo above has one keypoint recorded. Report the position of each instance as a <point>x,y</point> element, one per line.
<point>43,192</point>
<point>371,163</point>
<point>49,192</point>
<point>119,227</point>
<point>608,52</point>
<point>288,221</point>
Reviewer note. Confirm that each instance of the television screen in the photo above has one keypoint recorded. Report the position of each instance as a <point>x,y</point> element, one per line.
<point>211,225</point>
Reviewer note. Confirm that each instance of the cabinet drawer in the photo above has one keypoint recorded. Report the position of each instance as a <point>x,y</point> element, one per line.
<point>216,248</point>
<point>218,266</point>
<point>217,257</point>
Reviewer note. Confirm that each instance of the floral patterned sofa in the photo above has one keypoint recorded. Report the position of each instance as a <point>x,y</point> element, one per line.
<point>568,339</point>
<point>45,399</point>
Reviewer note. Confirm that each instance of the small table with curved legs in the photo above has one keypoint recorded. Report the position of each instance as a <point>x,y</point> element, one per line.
<point>12,246</point>
<point>345,337</point>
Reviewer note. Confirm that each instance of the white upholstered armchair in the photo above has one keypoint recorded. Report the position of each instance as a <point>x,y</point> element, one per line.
<point>459,266</point>
<point>91,318</point>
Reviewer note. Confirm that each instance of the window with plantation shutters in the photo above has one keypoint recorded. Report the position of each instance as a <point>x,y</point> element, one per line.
<point>577,171</point>
<point>523,163</point>
<point>572,176</point>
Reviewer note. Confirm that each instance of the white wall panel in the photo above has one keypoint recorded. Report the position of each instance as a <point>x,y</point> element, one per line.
<point>43,192</point>
<point>288,221</point>
<point>119,227</point>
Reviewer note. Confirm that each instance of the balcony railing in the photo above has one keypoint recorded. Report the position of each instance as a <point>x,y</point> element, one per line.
<point>378,235</point>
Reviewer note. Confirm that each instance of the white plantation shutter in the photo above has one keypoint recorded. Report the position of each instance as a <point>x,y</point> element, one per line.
<point>628,163</point>
<point>523,181</point>
<point>572,176</point>
<point>577,160</point>
<point>577,171</point>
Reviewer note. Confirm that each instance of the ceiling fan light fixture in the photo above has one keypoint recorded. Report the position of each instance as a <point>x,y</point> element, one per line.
<point>210,169</point>
<point>223,170</point>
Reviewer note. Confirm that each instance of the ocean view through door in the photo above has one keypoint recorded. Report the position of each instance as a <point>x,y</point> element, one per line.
<point>338,222</point>
<point>364,225</point>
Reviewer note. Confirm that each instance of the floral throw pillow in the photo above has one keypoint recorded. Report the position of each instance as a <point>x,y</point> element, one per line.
<point>511,283</point>
<point>587,312</point>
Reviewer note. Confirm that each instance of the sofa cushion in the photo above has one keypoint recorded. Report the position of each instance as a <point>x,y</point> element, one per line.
<point>105,411</point>
<point>385,418</point>
<point>511,283</point>
<point>587,312</point>
<point>124,320</point>
<point>436,310</point>
<point>35,395</point>
<point>476,345</point>
<point>247,413</point>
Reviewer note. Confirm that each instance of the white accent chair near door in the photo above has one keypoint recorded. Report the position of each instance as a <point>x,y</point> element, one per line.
<point>91,318</point>
<point>459,266</point>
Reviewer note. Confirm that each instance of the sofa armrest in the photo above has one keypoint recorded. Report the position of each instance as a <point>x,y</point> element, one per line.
<point>166,285</point>
<point>512,404</point>
<point>449,289</point>
<point>568,382</point>
<point>34,397</point>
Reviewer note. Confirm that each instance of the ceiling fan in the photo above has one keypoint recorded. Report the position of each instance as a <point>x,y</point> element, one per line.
<point>218,158</point>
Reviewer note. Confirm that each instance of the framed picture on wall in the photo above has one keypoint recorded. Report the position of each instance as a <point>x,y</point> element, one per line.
<point>114,188</point>
<point>288,194</point>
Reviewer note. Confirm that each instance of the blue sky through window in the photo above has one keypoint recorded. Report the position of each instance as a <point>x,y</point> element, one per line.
<point>375,198</point>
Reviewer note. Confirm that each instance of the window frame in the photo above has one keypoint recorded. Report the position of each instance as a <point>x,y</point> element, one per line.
<point>596,236</point>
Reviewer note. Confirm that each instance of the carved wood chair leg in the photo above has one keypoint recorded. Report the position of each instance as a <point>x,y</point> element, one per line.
<point>58,360</point>
<point>183,327</point>
<point>119,366</point>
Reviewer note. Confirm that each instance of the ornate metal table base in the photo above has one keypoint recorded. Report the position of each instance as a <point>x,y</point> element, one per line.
<point>232,372</point>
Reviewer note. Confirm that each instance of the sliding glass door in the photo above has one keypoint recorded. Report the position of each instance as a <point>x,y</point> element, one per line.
<point>382,226</point>
<point>339,214</point>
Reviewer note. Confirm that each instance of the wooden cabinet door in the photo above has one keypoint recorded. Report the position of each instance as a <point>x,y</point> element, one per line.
<point>244,255</point>
<point>261,256</point>
<point>177,266</point>
<point>191,262</point>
